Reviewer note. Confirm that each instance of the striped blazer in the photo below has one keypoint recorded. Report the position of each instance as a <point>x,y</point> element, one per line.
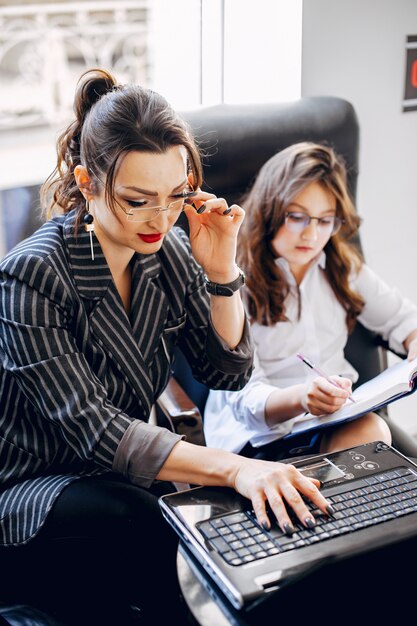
<point>76,370</point>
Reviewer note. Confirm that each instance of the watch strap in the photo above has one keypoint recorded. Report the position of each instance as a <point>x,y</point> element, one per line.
<point>225,289</point>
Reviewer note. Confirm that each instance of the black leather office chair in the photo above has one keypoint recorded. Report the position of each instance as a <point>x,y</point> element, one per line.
<point>237,140</point>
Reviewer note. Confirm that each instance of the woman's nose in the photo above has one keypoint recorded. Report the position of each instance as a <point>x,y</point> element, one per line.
<point>161,221</point>
<point>311,231</point>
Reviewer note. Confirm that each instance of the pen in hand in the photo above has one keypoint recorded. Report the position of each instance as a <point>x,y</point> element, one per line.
<point>320,372</point>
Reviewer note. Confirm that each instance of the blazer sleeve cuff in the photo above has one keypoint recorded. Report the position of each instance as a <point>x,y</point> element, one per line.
<point>142,451</point>
<point>226,359</point>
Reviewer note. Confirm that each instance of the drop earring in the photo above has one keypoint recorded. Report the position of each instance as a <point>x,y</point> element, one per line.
<point>89,227</point>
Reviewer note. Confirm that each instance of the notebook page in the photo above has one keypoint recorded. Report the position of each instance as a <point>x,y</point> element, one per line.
<point>390,383</point>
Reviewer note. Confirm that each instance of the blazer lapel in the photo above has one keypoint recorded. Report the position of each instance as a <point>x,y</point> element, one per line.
<point>149,305</point>
<point>127,344</point>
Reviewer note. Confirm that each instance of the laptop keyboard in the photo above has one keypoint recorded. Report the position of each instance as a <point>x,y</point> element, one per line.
<point>375,499</point>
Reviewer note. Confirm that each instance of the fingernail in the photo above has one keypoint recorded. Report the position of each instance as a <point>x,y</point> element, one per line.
<point>330,509</point>
<point>310,522</point>
<point>266,525</point>
<point>226,212</point>
<point>288,530</point>
<point>201,209</point>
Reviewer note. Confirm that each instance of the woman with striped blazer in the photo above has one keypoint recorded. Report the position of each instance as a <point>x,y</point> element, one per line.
<point>91,307</point>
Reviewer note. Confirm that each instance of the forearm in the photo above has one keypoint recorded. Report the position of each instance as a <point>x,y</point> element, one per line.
<point>227,317</point>
<point>179,461</point>
<point>284,404</point>
<point>256,480</point>
<point>200,465</point>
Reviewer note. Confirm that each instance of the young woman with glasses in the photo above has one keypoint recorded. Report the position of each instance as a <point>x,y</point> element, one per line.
<point>91,308</point>
<point>306,285</point>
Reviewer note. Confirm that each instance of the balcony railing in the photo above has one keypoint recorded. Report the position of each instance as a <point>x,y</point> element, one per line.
<point>45,47</point>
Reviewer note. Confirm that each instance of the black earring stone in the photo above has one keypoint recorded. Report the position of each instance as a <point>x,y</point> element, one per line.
<point>88,218</point>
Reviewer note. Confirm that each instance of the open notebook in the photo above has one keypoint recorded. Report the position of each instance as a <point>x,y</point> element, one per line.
<point>393,383</point>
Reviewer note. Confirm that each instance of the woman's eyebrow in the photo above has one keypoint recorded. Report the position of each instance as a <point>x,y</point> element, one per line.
<point>139,190</point>
<point>178,187</point>
<point>300,206</point>
<point>151,193</point>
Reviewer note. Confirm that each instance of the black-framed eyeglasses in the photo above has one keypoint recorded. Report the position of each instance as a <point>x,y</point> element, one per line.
<point>296,222</point>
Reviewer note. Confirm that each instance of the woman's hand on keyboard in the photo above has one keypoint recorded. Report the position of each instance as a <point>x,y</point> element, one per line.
<point>283,487</point>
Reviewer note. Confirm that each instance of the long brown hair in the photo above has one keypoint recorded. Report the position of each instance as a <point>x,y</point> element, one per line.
<point>110,121</point>
<point>282,177</point>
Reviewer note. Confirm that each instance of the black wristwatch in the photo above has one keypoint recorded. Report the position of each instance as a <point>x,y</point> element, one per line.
<point>226,289</point>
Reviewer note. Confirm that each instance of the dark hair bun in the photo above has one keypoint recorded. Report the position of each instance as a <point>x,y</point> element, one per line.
<point>92,85</point>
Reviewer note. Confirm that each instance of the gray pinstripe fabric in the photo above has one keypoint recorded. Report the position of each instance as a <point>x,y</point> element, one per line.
<point>75,370</point>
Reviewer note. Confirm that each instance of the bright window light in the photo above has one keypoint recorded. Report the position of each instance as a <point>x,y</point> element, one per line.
<point>262,60</point>
<point>233,51</point>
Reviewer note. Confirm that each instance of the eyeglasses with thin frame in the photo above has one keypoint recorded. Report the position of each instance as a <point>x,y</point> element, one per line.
<point>147,213</point>
<point>296,222</point>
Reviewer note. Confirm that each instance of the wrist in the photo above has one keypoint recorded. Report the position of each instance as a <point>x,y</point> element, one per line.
<point>412,337</point>
<point>216,288</point>
<point>221,467</point>
<point>222,278</point>
<point>232,470</point>
<point>303,399</point>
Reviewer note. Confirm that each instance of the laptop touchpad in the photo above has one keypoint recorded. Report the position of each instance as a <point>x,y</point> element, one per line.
<point>323,470</point>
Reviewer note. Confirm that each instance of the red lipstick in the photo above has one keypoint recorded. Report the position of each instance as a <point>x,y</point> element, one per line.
<point>152,238</point>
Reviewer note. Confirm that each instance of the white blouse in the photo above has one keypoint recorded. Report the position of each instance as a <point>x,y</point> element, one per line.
<point>318,330</point>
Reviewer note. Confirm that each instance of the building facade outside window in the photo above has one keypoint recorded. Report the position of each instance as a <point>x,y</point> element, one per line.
<point>194,52</point>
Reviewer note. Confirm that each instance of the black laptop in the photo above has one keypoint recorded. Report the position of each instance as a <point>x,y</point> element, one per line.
<point>373,489</point>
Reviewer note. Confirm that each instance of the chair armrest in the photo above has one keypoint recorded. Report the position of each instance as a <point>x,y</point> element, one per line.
<point>401,440</point>
<point>181,415</point>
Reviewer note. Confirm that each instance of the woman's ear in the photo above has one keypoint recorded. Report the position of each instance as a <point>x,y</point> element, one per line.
<point>83,180</point>
<point>190,178</point>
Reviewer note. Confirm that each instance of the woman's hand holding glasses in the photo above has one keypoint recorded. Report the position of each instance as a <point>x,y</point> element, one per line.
<point>213,234</point>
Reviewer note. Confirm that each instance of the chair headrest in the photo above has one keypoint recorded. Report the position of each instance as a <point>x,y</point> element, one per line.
<point>239,139</point>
